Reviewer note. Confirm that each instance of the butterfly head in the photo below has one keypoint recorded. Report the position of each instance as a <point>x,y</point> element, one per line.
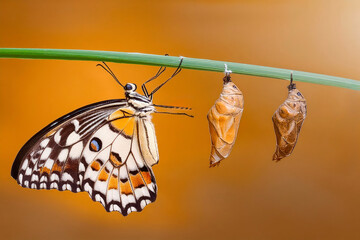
<point>130,87</point>
<point>136,100</point>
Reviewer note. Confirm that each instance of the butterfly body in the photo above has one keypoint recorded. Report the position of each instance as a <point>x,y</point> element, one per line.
<point>106,149</point>
<point>140,103</point>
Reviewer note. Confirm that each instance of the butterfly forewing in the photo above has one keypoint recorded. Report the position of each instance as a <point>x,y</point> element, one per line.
<point>50,158</point>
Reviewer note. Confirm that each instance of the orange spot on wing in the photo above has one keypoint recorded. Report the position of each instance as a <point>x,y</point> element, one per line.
<point>103,176</point>
<point>125,188</point>
<point>93,147</point>
<point>147,177</point>
<point>95,166</point>
<point>44,170</point>
<point>129,128</point>
<point>121,113</point>
<point>136,180</point>
<point>56,168</point>
<point>116,114</point>
<point>123,123</point>
<point>116,162</point>
<point>113,183</point>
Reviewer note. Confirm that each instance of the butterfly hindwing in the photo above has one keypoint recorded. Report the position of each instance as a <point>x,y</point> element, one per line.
<point>95,149</point>
<point>117,175</point>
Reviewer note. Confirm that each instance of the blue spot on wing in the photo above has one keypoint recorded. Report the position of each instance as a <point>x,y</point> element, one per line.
<point>95,144</point>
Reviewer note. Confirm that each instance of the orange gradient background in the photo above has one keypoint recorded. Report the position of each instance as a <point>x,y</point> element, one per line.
<point>313,194</point>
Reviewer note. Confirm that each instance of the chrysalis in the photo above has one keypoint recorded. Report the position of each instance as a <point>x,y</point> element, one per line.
<point>224,119</point>
<point>288,119</point>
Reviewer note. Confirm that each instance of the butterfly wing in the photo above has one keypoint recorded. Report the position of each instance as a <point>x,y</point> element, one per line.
<point>91,149</point>
<point>117,175</point>
<point>56,149</point>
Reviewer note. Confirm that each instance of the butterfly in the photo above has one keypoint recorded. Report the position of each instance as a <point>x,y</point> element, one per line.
<point>224,120</point>
<point>106,149</point>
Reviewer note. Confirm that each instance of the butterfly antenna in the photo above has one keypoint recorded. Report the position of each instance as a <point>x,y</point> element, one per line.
<point>177,71</point>
<point>110,72</point>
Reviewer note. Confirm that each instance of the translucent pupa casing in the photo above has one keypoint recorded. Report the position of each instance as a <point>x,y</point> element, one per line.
<point>224,120</point>
<point>288,119</point>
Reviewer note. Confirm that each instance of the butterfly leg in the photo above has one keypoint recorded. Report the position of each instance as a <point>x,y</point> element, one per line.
<point>176,113</point>
<point>177,71</point>
<point>143,87</point>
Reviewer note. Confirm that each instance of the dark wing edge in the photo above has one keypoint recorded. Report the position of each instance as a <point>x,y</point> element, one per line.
<point>33,140</point>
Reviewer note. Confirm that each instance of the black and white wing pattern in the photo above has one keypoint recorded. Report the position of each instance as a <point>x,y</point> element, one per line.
<point>94,149</point>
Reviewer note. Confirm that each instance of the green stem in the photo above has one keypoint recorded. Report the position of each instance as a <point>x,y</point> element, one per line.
<point>169,61</point>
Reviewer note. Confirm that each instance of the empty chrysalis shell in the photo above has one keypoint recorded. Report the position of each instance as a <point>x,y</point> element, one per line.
<point>224,120</point>
<point>288,119</point>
